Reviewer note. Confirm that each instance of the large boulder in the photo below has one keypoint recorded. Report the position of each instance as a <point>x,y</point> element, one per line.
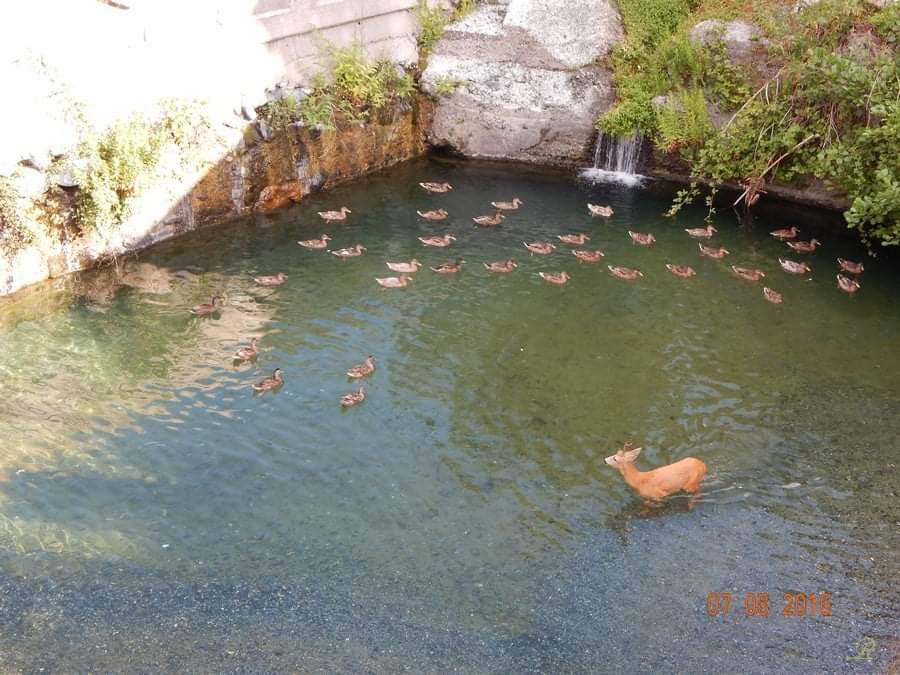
<point>742,40</point>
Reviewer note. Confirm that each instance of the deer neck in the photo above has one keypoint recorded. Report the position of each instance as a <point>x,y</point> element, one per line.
<point>633,478</point>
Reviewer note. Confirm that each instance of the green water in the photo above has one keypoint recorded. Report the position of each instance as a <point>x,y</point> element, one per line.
<point>155,514</point>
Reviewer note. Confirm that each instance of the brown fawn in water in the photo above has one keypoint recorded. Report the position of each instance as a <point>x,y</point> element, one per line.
<point>685,474</point>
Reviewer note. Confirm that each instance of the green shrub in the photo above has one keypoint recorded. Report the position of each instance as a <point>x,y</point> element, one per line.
<point>445,86</point>
<point>684,121</point>
<point>432,22</point>
<point>13,232</point>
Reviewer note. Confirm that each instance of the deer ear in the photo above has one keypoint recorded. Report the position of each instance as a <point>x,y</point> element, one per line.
<point>631,455</point>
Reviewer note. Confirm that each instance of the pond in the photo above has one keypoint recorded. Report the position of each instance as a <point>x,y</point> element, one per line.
<point>157,514</point>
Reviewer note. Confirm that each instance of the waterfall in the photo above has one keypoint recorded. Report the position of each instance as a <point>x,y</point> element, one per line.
<point>616,160</point>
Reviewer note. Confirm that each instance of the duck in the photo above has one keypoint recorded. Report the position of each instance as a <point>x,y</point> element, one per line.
<point>353,398</point>
<point>316,244</point>
<point>488,221</point>
<point>641,239</point>
<point>394,282</point>
<point>557,278</point>
<point>275,280</point>
<point>410,267</point>
<point>210,307</point>
<point>850,266</point>
<point>804,246</point>
<point>275,380</point>
<point>748,274</point>
<point>438,214</point>
<point>501,266</point>
<point>792,267</point>
<point>449,268</point>
<point>785,233</point>
<point>367,367</point>
<point>626,273</point>
<point>352,252</point>
<point>772,296</point>
<point>247,353</point>
<point>334,216</point>
<point>579,239</point>
<point>508,206</point>
<point>438,241</point>
<point>709,251</point>
<point>436,187</point>
<point>584,255</point>
<point>540,247</point>
<point>597,210</point>
<point>701,232</point>
<point>847,284</point>
<point>682,271</point>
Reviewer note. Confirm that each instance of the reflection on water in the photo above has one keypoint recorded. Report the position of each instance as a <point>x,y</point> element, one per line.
<point>462,516</point>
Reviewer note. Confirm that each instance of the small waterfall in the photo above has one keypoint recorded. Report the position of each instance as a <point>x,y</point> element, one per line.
<point>616,160</point>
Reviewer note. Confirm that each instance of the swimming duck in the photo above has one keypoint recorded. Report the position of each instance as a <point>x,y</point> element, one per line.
<point>558,278</point>
<point>747,273</point>
<point>641,239</point>
<point>352,252</point>
<point>584,255</point>
<point>709,251</point>
<point>508,206</point>
<point>804,246</point>
<point>579,239</point>
<point>394,282</point>
<point>792,267</point>
<point>488,221</point>
<point>682,271</point>
<point>406,267</point>
<point>247,353</point>
<point>275,280</point>
<point>353,398</point>
<point>334,216</point>
<point>785,233</point>
<point>367,367</point>
<point>449,268</point>
<point>847,284</point>
<point>437,187</point>
<point>207,307</point>
<point>540,247</point>
<point>317,244</point>
<point>701,232</point>
<point>438,241</point>
<point>275,380</point>
<point>626,273</point>
<point>597,210</point>
<point>501,266</point>
<point>850,266</point>
<point>772,296</point>
<point>439,214</point>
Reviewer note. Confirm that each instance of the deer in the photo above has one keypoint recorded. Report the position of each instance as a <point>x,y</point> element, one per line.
<point>653,486</point>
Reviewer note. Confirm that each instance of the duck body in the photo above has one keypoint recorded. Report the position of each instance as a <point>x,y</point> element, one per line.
<point>352,252</point>
<point>579,239</point>
<point>847,284</point>
<point>584,255</point>
<point>747,273</point>
<point>438,214</point>
<point>275,380</point>
<point>501,266</point>
<point>701,232</point>
<point>850,267</point>
<point>508,206</point>
<point>410,267</point>
<point>316,244</point>
<point>363,369</point>
<point>626,273</point>
<point>598,210</point>
<point>247,353</point>
<point>353,398</point>
<point>641,239</point>
<point>436,187</point>
<point>793,267</point>
<point>804,246</point>
<point>449,268</point>
<point>206,308</point>
<point>274,280</point>
<point>334,216</point>
<point>682,271</point>
<point>394,282</point>
<point>441,241</point>
<point>785,233</point>
<point>488,221</point>
<point>556,278</point>
<point>772,296</point>
<point>540,247</point>
<point>715,253</point>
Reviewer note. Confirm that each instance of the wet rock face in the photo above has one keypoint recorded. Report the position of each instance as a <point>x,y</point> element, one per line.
<point>527,84</point>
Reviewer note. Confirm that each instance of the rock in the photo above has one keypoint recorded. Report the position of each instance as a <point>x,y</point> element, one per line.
<point>263,128</point>
<point>278,196</point>
<point>739,37</point>
<point>660,101</point>
<point>248,113</point>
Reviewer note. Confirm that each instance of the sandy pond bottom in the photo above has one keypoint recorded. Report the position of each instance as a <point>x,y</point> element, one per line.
<point>156,515</point>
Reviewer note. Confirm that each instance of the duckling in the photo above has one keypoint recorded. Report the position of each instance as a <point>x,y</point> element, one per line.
<point>508,206</point>
<point>437,187</point>
<point>792,267</point>
<point>449,268</point>
<point>406,267</point>
<point>682,271</point>
<point>772,296</point>
<point>785,233</point>
<point>501,266</point>
<point>850,266</point>
<point>701,232</point>
<point>584,255</point>
<point>247,353</point>
<point>641,239</point>
<point>748,274</point>
<point>626,273</point>
<point>353,398</point>
<point>597,210</point>
<point>540,247</point>
<point>334,216</point>
<point>275,380</point>
<point>367,367</point>
<point>394,282</point>
<point>847,284</point>
<point>207,307</point>
<point>316,244</point>
<point>439,214</point>
<point>275,280</point>
<point>579,239</point>
<point>804,246</point>
<point>352,252</point>
<point>716,253</point>
<point>438,241</point>
<point>488,221</point>
<point>558,278</point>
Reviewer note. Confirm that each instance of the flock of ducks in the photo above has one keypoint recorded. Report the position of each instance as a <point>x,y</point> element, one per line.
<point>406,269</point>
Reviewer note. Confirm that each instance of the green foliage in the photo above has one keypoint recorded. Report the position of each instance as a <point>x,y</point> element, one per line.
<point>445,86</point>
<point>650,22</point>
<point>684,121</point>
<point>13,233</point>
<point>432,22</point>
